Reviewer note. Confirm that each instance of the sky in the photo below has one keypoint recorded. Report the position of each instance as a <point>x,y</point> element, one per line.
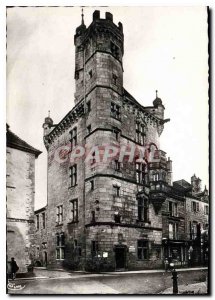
<point>165,49</point>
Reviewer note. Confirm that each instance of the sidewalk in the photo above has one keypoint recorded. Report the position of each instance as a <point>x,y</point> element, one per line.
<point>43,273</point>
<point>195,288</point>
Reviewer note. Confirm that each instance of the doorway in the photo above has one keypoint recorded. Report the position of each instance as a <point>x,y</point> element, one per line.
<point>120,256</point>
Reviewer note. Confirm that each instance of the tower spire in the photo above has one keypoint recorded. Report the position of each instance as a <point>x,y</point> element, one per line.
<point>82,16</point>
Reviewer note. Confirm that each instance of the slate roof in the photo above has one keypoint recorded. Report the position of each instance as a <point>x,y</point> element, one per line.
<point>13,141</point>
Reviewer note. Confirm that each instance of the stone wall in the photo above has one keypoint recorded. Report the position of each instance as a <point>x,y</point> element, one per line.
<point>20,207</point>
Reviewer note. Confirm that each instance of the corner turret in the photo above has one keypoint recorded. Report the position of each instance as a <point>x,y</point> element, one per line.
<point>47,125</point>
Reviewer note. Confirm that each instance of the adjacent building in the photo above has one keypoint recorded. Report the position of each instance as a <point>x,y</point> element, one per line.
<point>110,214</point>
<point>40,255</point>
<point>20,184</point>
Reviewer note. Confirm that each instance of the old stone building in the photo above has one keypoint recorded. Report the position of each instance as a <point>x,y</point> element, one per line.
<point>109,213</point>
<point>196,219</point>
<point>40,245</point>
<point>20,185</point>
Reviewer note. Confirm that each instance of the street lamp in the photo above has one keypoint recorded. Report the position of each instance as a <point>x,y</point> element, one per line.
<point>174,278</point>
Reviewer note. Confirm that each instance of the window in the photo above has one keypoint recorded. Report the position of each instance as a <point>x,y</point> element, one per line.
<point>206,210</point>
<point>115,79</point>
<point>194,230</point>
<point>60,246</point>
<point>173,231</point>
<point>91,73</point>
<point>173,209</point>
<point>140,133</point>
<point>117,165</point>
<point>116,190</point>
<point>88,129</point>
<point>74,210</point>
<point>94,248</point>
<point>59,214</point>
<point>140,173</point>
<point>142,249</point>
<point>115,111</point>
<point>93,216</point>
<point>77,249</point>
<point>117,217</point>
<point>73,139</point>
<point>73,175</point>
<point>143,209</point>
<point>88,106</point>
<point>155,176</point>
<point>44,220</point>
<point>91,185</point>
<point>76,74</point>
<point>116,133</point>
<point>93,160</point>
<point>114,50</point>
<point>194,206</point>
<point>37,222</point>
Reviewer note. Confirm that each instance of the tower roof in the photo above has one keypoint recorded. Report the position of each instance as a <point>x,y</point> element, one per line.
<point>157,100</point>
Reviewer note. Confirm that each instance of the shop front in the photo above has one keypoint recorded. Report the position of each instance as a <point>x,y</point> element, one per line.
<point>175,252</point>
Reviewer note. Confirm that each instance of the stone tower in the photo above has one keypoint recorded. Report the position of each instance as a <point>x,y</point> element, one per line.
<point>105,212</point>
<point>98,56</point>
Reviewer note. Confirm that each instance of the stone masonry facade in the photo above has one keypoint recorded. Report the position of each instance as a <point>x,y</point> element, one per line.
<point>20,186</point>
<point>106,214</point>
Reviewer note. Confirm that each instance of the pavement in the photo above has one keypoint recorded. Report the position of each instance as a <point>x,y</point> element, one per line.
<point>131,282</point>
<point>195,288</point>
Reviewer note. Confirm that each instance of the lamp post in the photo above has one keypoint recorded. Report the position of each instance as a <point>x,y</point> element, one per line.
<point>174,278</point>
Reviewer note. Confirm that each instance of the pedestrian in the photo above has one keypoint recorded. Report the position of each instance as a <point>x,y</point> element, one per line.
<point>166,264</point>
<point>14,268</point>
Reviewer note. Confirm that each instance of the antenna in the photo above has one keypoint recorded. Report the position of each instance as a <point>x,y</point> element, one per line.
<point>156,93</point>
